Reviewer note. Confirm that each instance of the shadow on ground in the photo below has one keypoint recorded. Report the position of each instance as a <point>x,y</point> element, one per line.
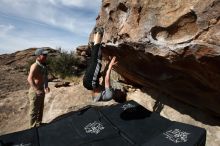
<point>162,99</point>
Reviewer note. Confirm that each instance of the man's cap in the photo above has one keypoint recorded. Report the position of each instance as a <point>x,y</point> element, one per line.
<point>40,51</point>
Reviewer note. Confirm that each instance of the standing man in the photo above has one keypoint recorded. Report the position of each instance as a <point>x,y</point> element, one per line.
<point>38,81</point>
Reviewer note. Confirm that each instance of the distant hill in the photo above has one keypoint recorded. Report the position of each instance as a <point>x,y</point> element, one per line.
<point>20,58</point>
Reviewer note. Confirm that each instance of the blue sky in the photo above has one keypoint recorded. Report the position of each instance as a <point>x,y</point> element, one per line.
<point>46,23</point>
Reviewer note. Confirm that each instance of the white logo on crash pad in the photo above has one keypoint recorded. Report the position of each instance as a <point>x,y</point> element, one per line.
<point>127,106</point>
<point>177,135</point>
<point>95,127</point>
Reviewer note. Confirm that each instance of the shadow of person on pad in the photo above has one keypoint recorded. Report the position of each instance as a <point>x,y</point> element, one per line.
<point>137,112</point>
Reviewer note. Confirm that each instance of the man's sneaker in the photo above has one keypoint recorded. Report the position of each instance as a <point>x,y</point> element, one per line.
<point>100,30</point>
<point>94,30</point>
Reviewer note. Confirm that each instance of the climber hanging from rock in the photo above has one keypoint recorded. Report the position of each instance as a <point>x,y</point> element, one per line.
<point>92,75</point>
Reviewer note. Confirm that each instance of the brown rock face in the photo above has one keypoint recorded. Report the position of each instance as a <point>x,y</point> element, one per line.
<point>173,46</point>
<point>20,59</point>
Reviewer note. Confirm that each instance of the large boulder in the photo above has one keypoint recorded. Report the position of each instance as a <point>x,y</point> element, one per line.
<point>173,46</point>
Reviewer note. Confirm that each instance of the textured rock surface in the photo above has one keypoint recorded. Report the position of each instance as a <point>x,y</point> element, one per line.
<point>20,59</point>
<point>83,51</point>
<point>172,46</point>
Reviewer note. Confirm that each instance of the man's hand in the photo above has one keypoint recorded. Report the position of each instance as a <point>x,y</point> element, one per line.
<point>47,90</point>
<point>112,63</point>
<point>108,72</point>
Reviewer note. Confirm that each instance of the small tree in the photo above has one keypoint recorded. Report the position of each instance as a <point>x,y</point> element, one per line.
<point>65,65</point>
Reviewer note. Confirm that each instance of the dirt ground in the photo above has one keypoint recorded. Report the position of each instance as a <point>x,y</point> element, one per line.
<point>11,80</point>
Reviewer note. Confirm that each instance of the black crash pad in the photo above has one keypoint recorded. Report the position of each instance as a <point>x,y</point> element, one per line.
<point>123,124</point>
<point>22,138</point>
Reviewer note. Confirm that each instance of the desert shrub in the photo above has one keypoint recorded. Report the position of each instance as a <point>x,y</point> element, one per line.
<point>64,65</point>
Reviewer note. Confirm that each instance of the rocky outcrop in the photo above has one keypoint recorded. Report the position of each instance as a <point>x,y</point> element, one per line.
<point>172,46</point>
<point>20,59</point>
<point>62,84</point>
<point>83,51</point>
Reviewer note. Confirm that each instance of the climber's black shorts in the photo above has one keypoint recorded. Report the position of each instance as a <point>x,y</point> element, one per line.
<point>91,77</point>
